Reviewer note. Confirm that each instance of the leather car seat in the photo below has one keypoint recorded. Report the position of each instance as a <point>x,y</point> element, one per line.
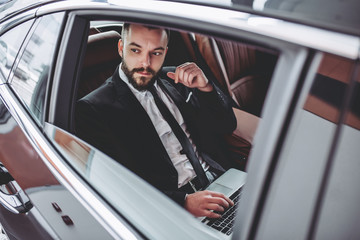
<point>240,69</point>
<point>237,68</point>
<point>100,62</point>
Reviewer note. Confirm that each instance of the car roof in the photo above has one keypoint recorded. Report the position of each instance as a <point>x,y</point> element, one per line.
<point>13,7</point>
<point>335,15</point>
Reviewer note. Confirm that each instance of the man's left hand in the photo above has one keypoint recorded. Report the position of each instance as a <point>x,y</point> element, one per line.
<point>191,76</point>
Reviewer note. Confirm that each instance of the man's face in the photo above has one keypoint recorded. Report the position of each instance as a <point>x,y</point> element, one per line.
<point>143,51</point>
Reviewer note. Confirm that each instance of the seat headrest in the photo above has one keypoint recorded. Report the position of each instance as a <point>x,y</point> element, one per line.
<point>102,47</point>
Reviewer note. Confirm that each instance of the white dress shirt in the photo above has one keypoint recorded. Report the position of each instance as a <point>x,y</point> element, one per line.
<point>168,138</point>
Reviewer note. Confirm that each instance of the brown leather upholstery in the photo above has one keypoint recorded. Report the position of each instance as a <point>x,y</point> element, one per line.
<point>248,79</point>
<point>208,55</point>
<point>239,59</point>
<point>101,60</point>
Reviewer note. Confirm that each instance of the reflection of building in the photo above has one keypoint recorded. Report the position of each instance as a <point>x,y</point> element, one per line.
<point>32,71</point>
<point>24,154</point>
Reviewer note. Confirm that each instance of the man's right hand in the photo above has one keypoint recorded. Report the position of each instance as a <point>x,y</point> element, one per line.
<point>203,203</point>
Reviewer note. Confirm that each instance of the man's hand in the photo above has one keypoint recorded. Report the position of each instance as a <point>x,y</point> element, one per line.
<point>203,203</point>
<point>191,76</point>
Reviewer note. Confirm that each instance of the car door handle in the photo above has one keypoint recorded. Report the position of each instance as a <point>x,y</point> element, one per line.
<point>12,197</point>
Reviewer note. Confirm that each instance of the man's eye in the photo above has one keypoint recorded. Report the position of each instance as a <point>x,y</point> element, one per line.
<point>157,53</point>
<point>135,50</point>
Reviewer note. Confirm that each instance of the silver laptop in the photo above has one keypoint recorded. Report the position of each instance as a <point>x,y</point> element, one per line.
<point>230,184</point>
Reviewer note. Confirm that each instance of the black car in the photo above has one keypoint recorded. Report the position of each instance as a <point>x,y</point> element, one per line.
<point>290,67</point>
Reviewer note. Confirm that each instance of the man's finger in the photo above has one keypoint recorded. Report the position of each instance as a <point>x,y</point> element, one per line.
<point>191,76</point>
<point>215,207</point>
<point>177,75</point>
<point>219,201</point>
<point>211,214</point>
<point>220,195</point>
<point>171,75</point>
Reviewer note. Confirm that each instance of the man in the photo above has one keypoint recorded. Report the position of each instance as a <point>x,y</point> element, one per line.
<point>122,119</point>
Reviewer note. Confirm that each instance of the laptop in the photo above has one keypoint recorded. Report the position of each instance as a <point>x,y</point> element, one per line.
<point>230,184</point>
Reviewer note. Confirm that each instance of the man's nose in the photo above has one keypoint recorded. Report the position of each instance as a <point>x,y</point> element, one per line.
<point>145,60</point>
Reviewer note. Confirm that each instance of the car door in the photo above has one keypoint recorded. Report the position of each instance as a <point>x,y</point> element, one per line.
<point>90,196</point>
<point>35,204</point>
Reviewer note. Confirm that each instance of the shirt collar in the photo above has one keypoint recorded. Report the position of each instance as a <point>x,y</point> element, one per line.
<point>134,90</point>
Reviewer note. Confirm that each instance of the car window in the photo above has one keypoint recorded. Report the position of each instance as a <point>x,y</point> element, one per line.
<point>339,209</point>
<point>306,148</point>
<point>10,43</point>
<point>32,72</point>
<point>242,70</point>
<point>110,169</point>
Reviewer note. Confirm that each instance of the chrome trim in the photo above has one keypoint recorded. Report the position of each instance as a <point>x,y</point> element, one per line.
<point>104,215</point>
<point>311,37</point>
<point>17,19</point>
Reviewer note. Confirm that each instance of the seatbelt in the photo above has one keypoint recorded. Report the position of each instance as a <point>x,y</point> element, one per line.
<point>223,69</point>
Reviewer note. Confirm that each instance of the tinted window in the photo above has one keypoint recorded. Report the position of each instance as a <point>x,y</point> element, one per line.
<point>246,75</point>
<point>10,43</point>
<point>339,213</point>
<point>32,73</point>
<point>327,92</point>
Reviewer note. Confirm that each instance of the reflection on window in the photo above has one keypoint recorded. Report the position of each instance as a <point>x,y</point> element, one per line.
<point>353,115</point>
<point>338,212</point>
<point>32,72</point>
<point>314,125</point>
<point>10,44</point>
<point>328,90</point>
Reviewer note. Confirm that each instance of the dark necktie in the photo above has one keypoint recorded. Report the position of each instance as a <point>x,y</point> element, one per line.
<point>181,136</point>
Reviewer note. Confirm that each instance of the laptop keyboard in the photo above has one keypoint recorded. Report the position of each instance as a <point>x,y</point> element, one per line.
<point>226,222</point>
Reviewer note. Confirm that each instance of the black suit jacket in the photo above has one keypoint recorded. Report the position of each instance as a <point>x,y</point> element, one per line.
<point>112,119</point>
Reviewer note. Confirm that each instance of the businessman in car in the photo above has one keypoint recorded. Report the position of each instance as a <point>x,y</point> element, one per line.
<point>163,123</point>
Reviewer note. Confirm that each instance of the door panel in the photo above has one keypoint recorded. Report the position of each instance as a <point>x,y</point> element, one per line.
<point>24,165</point>
<point>46,194</point>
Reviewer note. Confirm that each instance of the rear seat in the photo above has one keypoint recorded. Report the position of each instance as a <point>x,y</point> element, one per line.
<point>234,65</point>
<point>101,60</point>
<point>245,74</point>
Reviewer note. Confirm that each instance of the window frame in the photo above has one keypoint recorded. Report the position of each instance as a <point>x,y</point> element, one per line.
<point>290,53</point>
<point>52,64</point>
<point>296,60</point>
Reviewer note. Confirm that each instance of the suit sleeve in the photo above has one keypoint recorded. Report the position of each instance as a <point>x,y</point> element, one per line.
<point>177,196</point>
<point>93,129</point>
<point>215,111</point>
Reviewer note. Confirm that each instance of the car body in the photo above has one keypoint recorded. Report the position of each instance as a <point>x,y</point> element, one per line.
<point>292,68</point>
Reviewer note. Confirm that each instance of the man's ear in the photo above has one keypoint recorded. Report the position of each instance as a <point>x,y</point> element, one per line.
<point>120,47</point>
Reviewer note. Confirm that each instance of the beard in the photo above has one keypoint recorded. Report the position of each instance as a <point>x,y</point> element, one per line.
<point>141,83</point>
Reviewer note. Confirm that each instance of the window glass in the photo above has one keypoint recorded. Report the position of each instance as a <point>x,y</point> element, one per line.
<point>306,148</point>
<point>241,70</point>
<point>317,121</point>
<point>132,134</point>
<point>329,87</point>
<point>340,211</point>
<point>10,43</point>
<point>32,73</point>
<point>126,134</point>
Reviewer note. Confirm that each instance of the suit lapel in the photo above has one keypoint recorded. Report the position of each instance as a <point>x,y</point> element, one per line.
<point>179,100</point>
<point>134,111</point>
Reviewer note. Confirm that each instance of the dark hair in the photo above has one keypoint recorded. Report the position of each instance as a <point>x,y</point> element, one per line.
<point>126,26</point>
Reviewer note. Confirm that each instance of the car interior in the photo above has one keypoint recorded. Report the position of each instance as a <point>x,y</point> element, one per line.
<point>242,70</point>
